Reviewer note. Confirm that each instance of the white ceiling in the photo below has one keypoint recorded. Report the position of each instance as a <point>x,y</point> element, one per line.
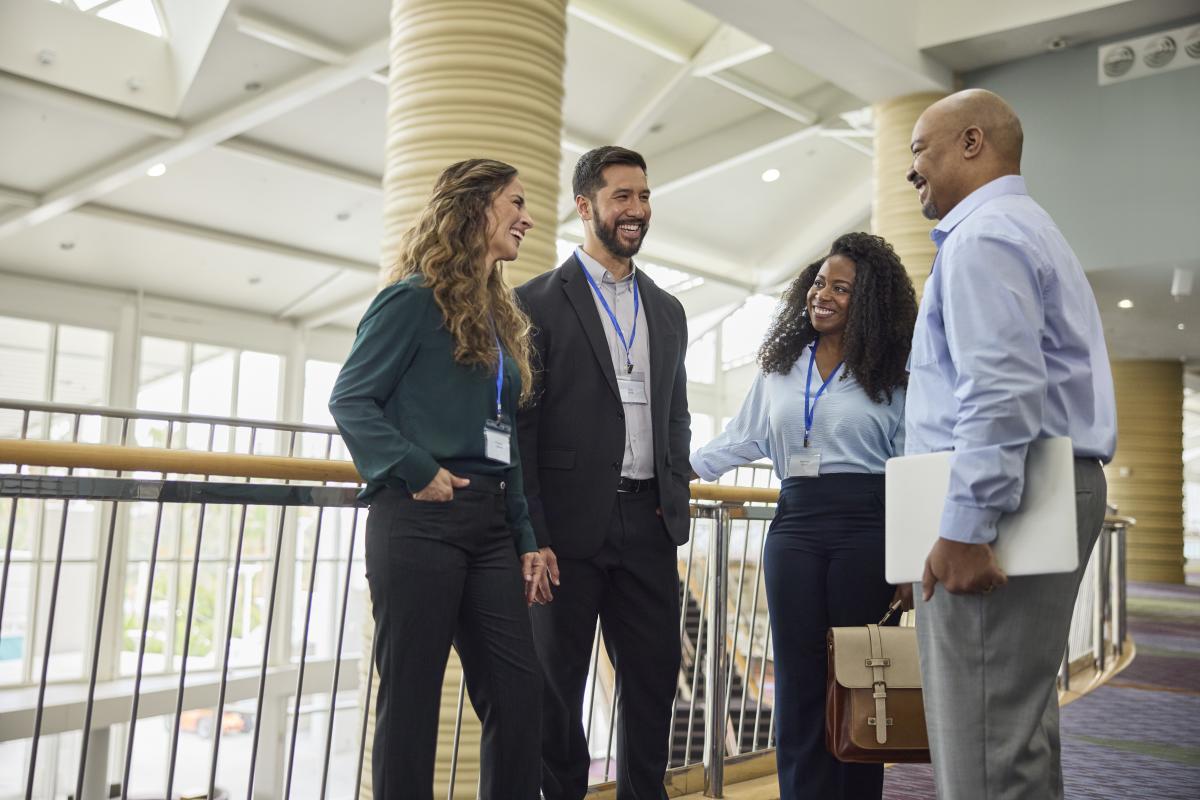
<point>271,201</point>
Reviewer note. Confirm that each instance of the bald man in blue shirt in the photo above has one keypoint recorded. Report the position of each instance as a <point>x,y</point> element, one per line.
<point>1008,348</point>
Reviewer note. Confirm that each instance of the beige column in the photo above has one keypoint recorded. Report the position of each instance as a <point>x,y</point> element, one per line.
<point>475,79</point>
<point>895,212</point>
<point>470,79</point>
<point>1145,479</point>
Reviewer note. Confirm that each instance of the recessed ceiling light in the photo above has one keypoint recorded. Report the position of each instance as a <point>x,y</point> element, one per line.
<point>252,86</point>
<point>66,245</point>
<point>1181,327</point>
<point>157,171</point>
<point>1126,303</point>
<point>771,175</point>
<point>254,280</point>
<point>342,216</point>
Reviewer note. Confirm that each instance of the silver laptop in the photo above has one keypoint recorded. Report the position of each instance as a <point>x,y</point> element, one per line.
<point>1037,538</point>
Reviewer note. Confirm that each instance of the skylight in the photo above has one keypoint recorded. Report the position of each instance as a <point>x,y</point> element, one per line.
<point>140,15</point>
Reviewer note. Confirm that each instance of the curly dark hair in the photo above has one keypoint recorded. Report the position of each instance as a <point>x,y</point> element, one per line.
<point>879,326</point>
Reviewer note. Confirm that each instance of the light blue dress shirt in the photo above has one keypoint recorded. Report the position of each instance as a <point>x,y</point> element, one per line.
<point>852,433</point>
<point>1008,348</point>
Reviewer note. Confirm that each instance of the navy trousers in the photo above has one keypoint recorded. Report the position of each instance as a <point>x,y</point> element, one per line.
<point>823,567</point>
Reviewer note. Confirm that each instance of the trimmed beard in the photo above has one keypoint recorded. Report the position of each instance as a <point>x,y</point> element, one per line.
<point>608,237</point>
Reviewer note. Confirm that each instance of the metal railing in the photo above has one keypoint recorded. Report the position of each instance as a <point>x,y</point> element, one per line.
<point>181,583</point>
<point>1098,624</point>
<point>150,510</point>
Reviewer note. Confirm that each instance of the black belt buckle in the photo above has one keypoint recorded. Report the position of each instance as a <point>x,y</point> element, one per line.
<point>634,485</point>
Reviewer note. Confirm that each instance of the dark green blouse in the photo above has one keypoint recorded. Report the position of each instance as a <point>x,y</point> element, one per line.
<point>405,406</point>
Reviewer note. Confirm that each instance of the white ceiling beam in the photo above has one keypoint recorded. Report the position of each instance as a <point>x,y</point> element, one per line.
<point>56,97</point>
<point>193,231</point>
<point>239,118</point>
<point>288,38</point>
<point>725,49</point>
<point>571,234</point>
<point>725,45</point>
<point>765,97</point>
<point>317,288</point>
<point>17,197</point>
<point>813,238</point>
<point>867,49</point>
<point>269,154</point>
<point>686,179</point>
<point>595,14</point>
<point>576,142</point>
<point>645,116</point>
<point>331,312</point>
<point>858,141</point>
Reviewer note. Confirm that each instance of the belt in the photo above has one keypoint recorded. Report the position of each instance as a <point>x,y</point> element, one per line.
<point>634,485</point>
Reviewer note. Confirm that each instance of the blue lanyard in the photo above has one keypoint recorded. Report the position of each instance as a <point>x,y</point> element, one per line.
<point>810,412</point>
<point>499,379</point>
<point>612,316</point>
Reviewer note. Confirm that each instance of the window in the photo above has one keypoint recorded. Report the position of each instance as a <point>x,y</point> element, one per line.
<point>140,15</point>
<point>175,376</point>
<point>701,359</point>
<point>61,363</point>
<point>702,430</point>
<point>742,333</point>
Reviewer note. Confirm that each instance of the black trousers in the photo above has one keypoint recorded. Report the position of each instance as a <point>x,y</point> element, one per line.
<point>823,568</point>
<point>632,586</point>
<point>443,573</point>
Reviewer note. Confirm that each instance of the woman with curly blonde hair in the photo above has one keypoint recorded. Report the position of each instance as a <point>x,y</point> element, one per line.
<point>425,403</point>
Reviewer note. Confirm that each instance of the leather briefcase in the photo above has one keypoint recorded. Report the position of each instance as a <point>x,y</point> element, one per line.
<point>873,707</point>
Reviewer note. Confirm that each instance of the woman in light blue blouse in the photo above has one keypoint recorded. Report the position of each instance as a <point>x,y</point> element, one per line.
<point>827,408</point>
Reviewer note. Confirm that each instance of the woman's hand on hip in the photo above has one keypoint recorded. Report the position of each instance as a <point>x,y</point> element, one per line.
<point>441,488</point>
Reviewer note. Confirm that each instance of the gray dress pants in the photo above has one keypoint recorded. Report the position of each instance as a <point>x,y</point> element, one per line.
<point>989,664</point>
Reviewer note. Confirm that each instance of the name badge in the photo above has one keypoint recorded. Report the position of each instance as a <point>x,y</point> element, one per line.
<point>497,441</point>
<point>805,464</point>
<point>633,388</point>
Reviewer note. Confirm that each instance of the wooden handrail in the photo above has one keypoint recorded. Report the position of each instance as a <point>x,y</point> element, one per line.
<point>37,453</point>
<point>41,453</point>
<point>733,494</point>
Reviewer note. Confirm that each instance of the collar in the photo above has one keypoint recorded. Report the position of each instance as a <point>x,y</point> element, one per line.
<point>599,273</point>
<point>1005,184</point>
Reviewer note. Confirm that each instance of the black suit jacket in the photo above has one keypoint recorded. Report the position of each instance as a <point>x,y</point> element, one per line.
<point>572,437</point>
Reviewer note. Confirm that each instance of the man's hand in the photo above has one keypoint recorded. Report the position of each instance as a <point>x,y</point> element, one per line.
<point>904,594</point>
<point>533,570</point>
<point>549,576</point>
<point>441,488</point>
<point>963,568</point>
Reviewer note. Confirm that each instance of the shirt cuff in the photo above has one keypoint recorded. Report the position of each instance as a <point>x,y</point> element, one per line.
<point>968,524</point>
<point>417,469</point>
<point>526,543</point>
<point>701,469</point>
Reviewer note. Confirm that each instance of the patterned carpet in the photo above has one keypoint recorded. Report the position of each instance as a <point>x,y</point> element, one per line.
<point>1138,737</point>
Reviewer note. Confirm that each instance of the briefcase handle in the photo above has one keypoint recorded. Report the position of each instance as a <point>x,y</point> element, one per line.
<point>892,609</point>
